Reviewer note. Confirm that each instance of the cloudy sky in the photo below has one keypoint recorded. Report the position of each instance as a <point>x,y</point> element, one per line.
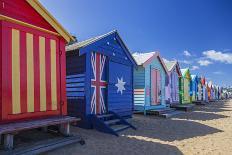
<point>196,33</point>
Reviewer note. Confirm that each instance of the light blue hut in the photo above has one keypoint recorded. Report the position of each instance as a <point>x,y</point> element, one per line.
<point>149,82</point>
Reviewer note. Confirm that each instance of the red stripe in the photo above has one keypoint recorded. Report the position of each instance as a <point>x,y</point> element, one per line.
<point>36,74</point>
<point>6,72</point>
<point>23,72</point>
<point>9,72</point>
<point>48,73</point>
<point>61,76</point>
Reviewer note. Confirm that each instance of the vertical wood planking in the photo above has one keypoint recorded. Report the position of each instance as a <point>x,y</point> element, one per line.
<point>36,73</point>
<point>48,74</point>
<point>30,73</point>
<point>53,75</point>
<point>23,72</point>
<point>15,72</point>
<point>42,74</point>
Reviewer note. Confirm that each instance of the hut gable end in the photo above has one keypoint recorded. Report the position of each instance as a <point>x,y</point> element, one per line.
<point>29,15</point>
<point>109,44</point>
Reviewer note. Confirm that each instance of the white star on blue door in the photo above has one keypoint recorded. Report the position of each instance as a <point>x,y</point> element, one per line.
<point>120,85</point>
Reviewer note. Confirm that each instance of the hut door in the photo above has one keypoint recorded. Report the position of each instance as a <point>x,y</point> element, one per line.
<point>186,89</point>
<point>155,87</point>
<point>98,83</point>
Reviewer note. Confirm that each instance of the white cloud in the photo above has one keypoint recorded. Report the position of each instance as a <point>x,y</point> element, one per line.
<point>187,53</point>
<point>218,56</point>
<point>218,72</point>
<point>195,68</point>
<point>185,62</point>
<point>204,62</point>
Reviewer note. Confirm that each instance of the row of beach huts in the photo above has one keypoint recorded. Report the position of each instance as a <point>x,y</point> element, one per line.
<point>50,79</point>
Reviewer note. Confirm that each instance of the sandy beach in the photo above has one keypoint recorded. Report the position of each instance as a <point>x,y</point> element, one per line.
<point>205,130</point>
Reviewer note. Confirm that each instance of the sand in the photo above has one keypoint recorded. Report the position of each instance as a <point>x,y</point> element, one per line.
<point>206,130</point>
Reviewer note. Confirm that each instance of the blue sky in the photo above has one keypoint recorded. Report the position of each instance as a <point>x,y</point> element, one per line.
<point>198,33</point>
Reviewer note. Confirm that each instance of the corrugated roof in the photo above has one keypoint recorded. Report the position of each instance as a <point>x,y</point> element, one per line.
<point>193,77</point>
<point>183,71</point>
<point>81,44</point>
<point>170,64</point>
<point>141,58</point>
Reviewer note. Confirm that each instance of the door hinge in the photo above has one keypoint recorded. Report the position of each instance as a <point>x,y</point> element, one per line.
<point>60,52</point>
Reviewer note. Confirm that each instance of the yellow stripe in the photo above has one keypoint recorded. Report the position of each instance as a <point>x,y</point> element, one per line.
<point>42,74</point>
<point>53,75</point>
<point>15,72</point>
<point>30,73</point>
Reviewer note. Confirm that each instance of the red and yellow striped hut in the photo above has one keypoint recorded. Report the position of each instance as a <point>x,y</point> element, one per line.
<point>32,47</point>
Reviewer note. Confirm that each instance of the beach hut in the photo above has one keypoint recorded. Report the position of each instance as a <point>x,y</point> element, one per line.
<point>172,82</point>
<point>99,80</point>
<point>33,71</point>
<point>149,82</point>
<point>185,86</point>
<point>208,88</point>
<point>199,87</point>
<point>33,62</point>
<point>194,85</point>
<point>204,89</point>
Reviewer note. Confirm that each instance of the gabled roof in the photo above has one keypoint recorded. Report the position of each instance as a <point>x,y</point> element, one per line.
<point>171,65</point>
<point>50,19</point>
<point>82,44</point>
<point>146,58</point>
<point>87,42</point>
<point>193,77</point>
<point>185,71</point>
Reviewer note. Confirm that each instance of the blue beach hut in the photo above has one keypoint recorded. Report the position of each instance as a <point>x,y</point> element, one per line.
<point>100,80</point>
<point>194,85</point>
<point>149,82</point>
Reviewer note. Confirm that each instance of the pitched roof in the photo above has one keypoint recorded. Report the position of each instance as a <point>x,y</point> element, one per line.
<point>82,44</point>
<point>193,76</point>
<point>141,58</point>
<point>145,58</point>
<point>170,65</point>
<point>50,19</point>
<point>87,42</point>
<point>184,71</point>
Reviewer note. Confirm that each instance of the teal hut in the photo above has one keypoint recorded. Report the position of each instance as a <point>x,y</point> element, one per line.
<point>149,82</point>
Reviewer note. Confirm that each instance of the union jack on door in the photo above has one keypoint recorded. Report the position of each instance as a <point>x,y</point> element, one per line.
<point>98,83</point>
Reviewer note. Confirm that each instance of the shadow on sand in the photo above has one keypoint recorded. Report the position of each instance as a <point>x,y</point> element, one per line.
<point>169,130</point>
<point>201,116</point>
<point>105,144</point>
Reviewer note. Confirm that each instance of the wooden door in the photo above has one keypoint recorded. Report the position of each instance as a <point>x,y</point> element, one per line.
<point>155,87</point>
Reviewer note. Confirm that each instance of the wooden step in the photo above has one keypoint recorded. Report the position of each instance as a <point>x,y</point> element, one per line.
<point>170,114</point>
<point>162,111</point>
<point>113,121</point>
<point>183,107</point>
<point>105,116</point>
<point>45,146</point>
<point>120,127</point>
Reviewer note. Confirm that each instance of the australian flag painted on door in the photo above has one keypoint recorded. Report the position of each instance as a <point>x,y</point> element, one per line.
<point>101,70</point>
<point>98,83</point>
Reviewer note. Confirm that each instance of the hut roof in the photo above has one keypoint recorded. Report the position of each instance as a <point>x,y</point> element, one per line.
<point>49,18</point>
<point>146,58</point>
<point>82,44</point>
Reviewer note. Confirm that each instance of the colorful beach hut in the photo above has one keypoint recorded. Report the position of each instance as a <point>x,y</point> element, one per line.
<point>172,82</point>
<point>99,79</point>
<point>185,86</point>
<point>33,72</point>
<point>149,82</point>
<point>200,89</point>
<point>32,48</point>
<point>194,85</point>
<point>205,89</point>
